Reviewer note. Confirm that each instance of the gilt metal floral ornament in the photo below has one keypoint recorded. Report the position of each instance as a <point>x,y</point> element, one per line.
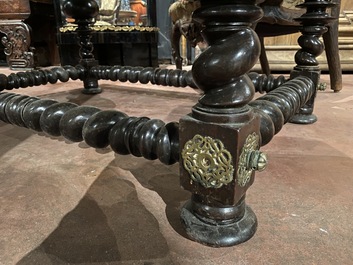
<point>250,159</point>
<point>208,162</point>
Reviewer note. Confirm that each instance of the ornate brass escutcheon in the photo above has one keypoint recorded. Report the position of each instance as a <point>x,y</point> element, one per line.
<point>207,161</point>
<point>250,159</point>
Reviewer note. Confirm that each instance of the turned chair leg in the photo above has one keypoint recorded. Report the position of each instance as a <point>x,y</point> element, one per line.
<point>265,66</point>
<point>313,27</point>
<point>332,51</point>
<point>175,42</point>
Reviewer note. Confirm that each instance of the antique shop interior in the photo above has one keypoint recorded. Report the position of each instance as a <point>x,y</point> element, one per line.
<point>186,132</point>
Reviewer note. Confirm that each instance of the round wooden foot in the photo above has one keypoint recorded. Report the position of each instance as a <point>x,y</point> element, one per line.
<point>91,87</point>
<point>303,119</point>
<point>219,233</point>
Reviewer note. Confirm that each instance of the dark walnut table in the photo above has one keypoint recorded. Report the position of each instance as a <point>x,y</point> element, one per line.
<point>218,144</point>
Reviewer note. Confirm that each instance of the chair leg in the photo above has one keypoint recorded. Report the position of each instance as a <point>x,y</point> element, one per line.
<point>265,66</point>
<point>332,52</point>
<point>306,56</point>
<point>175,41</point>
<point>333,59</point>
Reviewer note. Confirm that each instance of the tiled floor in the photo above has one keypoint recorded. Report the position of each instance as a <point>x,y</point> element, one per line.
<point>67,203</point>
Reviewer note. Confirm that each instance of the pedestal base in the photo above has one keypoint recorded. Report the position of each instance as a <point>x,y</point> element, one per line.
<point>215,234</point>
<point>91,86</point>
<point>303,119</point>
<point>91,91</point>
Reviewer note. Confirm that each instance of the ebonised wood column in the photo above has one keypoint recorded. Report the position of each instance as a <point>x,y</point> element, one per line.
<point>220,139</point>
<point>314,23</point>
<point>84,12</point>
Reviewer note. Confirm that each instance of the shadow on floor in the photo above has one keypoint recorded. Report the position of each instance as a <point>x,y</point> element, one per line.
<point>109,224</point>
<point>162,179</point>
<point>13,136</point>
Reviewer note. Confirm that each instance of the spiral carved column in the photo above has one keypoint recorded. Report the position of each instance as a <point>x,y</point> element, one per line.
<point>279,105</point>
<point>314,23</point>
<point>222,132</point>
<point>84,12</point>
<point>266,83</point>
<point>138,136</point>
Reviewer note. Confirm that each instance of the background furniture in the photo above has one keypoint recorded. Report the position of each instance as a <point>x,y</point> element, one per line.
<point>43,34</point>
<point>280,50</point>
<point>16,39</point>
<point>120,45</point>
<point>278,20</point>
<point>164,24</point>
<point>109,11</point>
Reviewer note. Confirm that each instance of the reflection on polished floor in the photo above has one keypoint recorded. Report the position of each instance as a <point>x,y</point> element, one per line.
<point>67,203</point>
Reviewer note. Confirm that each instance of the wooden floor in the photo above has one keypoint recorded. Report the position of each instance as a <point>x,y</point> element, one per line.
<point>67,203</point>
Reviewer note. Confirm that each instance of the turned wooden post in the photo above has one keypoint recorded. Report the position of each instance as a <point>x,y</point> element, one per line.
<point>219,140</point>
<point>84,13</point>
<point>314,23</point>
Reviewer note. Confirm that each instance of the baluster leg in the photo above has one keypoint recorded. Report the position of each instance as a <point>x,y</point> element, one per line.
<point>313,21</point>
<point>84,13</point>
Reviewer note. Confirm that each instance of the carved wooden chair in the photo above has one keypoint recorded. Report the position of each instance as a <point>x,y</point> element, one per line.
<point>278,20</point>
<point>17,35</point>
<point>180,13</point>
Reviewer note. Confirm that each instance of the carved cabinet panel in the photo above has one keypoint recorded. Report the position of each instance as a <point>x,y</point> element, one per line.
<point>15,9</point>
<point>16,37</point>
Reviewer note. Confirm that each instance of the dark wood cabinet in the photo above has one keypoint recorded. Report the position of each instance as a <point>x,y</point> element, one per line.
<point>133,48</point>
<point>113,45</point>
<point>14,9</point>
